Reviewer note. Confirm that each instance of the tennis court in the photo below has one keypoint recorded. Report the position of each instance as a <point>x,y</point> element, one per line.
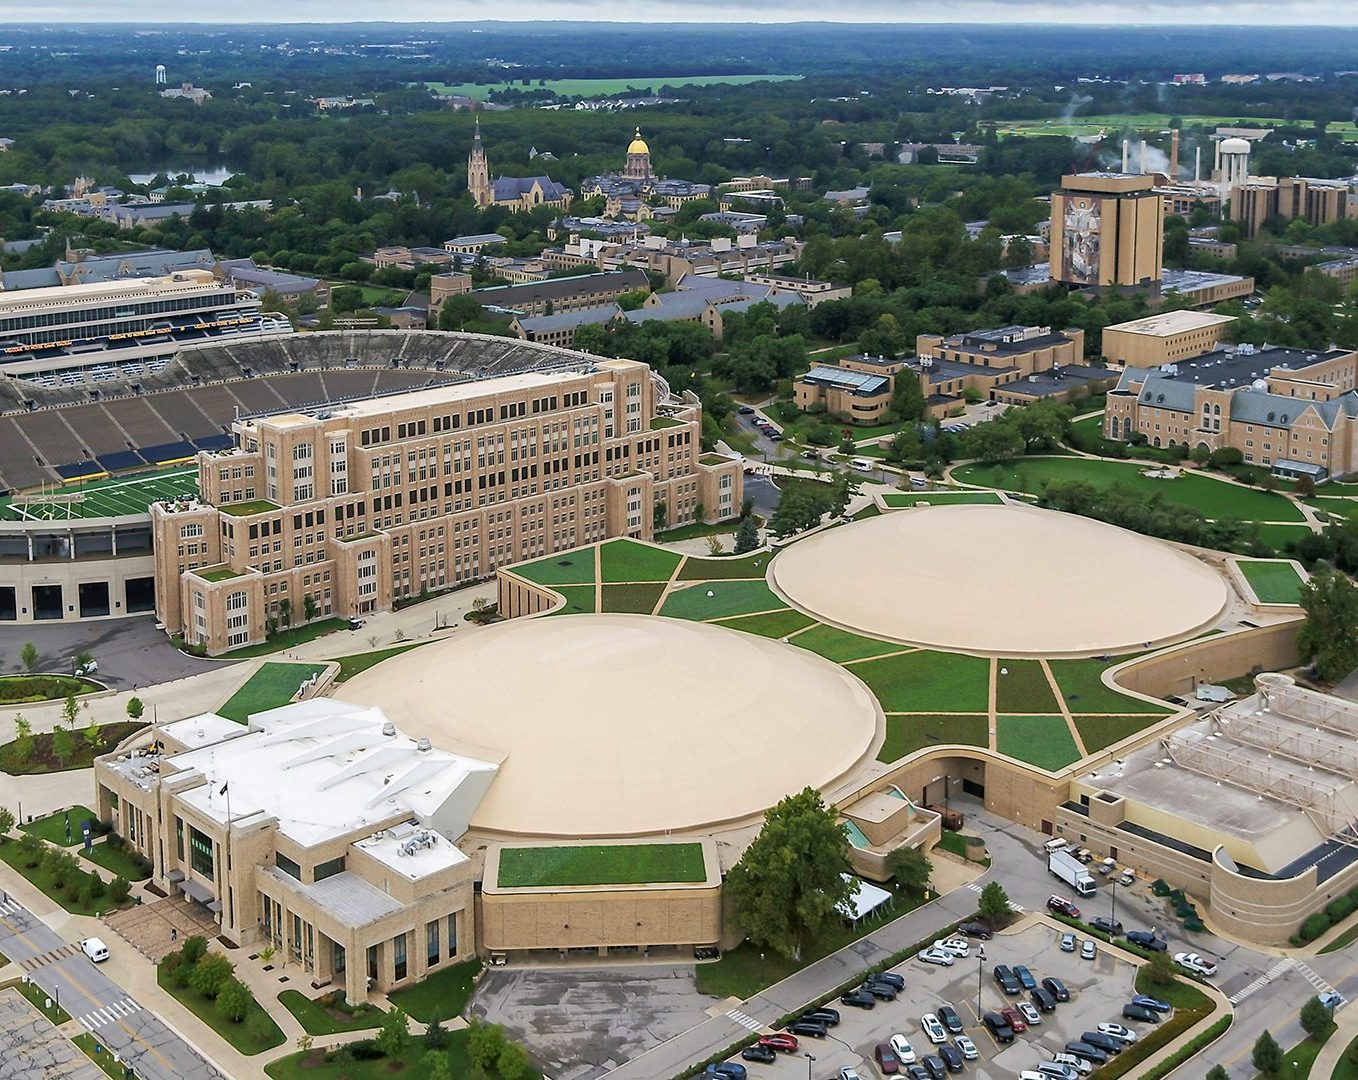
<point>103,498</point>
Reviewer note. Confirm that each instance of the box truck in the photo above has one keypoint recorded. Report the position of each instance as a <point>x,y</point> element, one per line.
<point>1070,870</point>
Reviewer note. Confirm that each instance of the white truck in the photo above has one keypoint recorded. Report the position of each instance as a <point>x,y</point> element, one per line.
<point>1070,870</point>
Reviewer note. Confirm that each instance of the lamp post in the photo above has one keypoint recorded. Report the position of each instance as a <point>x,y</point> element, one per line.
<point>1114,914</point>
<point>810,1057</point>
<point>980,966</point>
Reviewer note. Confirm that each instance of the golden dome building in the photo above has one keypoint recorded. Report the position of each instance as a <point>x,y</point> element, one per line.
<point>638,165</point>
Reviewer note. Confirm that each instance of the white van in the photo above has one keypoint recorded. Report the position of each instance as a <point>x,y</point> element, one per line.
<point>95,949</point>
<point>863,464</point>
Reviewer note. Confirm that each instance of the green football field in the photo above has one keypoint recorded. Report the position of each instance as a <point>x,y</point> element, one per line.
<point>103,498</point>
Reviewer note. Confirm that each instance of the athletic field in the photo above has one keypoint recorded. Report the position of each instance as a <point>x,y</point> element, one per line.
<point>101,498</point>
<point>599,87</point>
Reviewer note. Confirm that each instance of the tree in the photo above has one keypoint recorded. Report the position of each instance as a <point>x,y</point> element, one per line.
<point>484,1045</point>
<point>513,1063</point>
<point>1315,1018</point>
<point>32,850</point>
<point>438,1066</point>
<point>63,745</point>
<point>70,711</point>
<point>907,396</point>
<point>394,1035</point>
<point>747,536</point>
<point>1160,969</point>
<point>6,822</point>
<point>911,868</point>
<point>23,739</point>
<point>233,999</point>
<point>210,974</point>
<point>1303,487</point>
<point>92,736</point>
<point>119,888</point>
<point>435,1034</point>
<point>84,658</point>
<point>799,507</point>
<point>842,491</point>
<point>135,708</point>
<point>1218,1072</point>
<point>310,609</point>
<point>994,907</point>
<point>1268,1055</point>
<point>29,655</point>
<point>993,441</point>
<point>285,611</point>
<point>792,883</point>
<point>1329,637</point>
<point>659,515</point>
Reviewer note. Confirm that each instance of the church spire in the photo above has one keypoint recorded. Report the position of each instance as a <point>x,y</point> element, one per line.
<point>478,170</point>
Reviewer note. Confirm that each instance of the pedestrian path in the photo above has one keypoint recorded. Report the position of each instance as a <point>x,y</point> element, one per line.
<point>1280,968</point>
<point>109,1014</point>
<point>745,1020</point>
<point>1322,987</point>
<point>10,907</point>
<point>43,959</point>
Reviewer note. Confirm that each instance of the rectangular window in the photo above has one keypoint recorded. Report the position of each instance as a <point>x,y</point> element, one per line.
<point>200,852</point>
<point>431,942</point>
<point>287,865</point>
<point>329,868</point>
<point>339,958</point>
<point>372,963</point>
<point>452,934</point>
<point>399,956</point>
<point>179,837</point>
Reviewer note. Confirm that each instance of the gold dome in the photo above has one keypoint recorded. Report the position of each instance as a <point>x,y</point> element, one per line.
<point>638,145</point>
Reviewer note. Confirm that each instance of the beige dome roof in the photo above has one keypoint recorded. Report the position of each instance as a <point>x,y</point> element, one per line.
<point>638,145</point>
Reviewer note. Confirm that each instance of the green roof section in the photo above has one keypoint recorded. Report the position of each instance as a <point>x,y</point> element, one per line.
<point>601,864</point>
<point>659,423</point>
<point>1273,581</point>
<point>248,509</point>
<point>122,497</point>
<point>221,573</point>
<point>271,687</point>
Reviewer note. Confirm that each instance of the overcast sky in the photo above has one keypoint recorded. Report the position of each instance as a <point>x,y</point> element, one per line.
<point>1071,12</point>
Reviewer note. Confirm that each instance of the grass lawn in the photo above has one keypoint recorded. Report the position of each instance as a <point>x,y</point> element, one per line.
<point>841,646</point>
<point>1211,498</point>
<point>116,861</point>
<point>1345,508</point>
<point>1272,582</point>
<point>1096,732</point>
<point>746,566</point>
<point>443,994</point>
<point>99,1054</point>
<point>568,568</point>
<point>1346,1069</point>
<point>41,877</point>
<point>357,663</point>
<point>1082,687</point>
<point>640,598</point>
<point>1279,536</point>
<point>286,639</point>
<point>871,510</point>
<point>411,1064</point>
<point>728,598</point>
<point>579,599</point>
<point>52,828</point>
<point>601,864</point>
<point>1044,741</point>
<point>776,624</point>
<point>324,1016</point>
<point>24,689</point>
<point>1024,690</point>
<point>271,687</point>
<point>38,999</point>
<point>599,87</point>
<point>253,1035</point>
<point>927,681</point>
<point>743,971</point>
<point>1344,940</point>
<point>42,759</point>
<point>906,734</point>
<point>1298,1060</point>
<point>628,561</point>
<point>941,498</point>
<point>697,531</point>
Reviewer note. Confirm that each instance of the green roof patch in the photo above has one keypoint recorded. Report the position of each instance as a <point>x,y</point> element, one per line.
<point>221,573</point>
<point>248,509</point>
<point>659,423</point>
<point>1273,581</point>
<point>601,864</point>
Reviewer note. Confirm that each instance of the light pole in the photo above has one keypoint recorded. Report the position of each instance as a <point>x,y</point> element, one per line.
<point>980,966</point>
<point>1114,914</point>
<point>810,1057</point>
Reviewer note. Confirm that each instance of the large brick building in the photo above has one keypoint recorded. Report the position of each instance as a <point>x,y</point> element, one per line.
<point>345,509</point>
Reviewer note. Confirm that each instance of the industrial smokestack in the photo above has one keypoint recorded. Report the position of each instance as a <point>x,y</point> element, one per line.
<point>1197,164</point>
<point>1143,156</point>
<point>1126,150</point>
<point>1174,154</point>
<point>1216,157</point>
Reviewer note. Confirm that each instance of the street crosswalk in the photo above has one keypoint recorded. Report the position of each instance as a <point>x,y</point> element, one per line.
<point>10,907</point>
<point>1280,968</point>
<point>1322,987</point>
<point>109,1014</point>
<point>43,959</point>
<point>745,1020</point>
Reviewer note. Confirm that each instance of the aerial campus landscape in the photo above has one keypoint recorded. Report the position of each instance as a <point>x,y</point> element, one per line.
<point>843,564</point>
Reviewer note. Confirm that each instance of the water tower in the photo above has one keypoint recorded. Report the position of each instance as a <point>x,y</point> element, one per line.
<point>1235,162</point>
<point>160,74</point>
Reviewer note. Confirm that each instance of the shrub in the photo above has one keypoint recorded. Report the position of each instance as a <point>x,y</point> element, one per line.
<point>1314,925</point>
<point>435,1035</point>
<point>365,1050</point>
<point>193,948</point>
<point>179,970</point>
<point>32,849</point>
<point>210,974</point>
<point>97,887</point>
<point>119,889</point>
<point>135,708</point>
<point>1341,907</point>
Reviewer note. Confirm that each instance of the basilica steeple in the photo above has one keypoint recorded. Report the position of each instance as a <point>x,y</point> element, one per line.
<point>478,170</point>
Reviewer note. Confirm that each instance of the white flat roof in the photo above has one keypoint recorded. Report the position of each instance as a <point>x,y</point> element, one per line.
<point>325,769</point>
<point>203,730</point>
<point>1168,323</point>
<point>442,395</point>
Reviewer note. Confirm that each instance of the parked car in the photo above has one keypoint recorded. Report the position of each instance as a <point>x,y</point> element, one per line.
<point>781,1041</point>
<point>848,1073</point>
<point>951,1058</point>
<point>745,410</point>
<point>1331,1000</point>
<point>764,1055</point>
<point>1056,988</point>
<point>1057,1071</point>
<point>859,999</point>
<point>1088,950</point>
<point>932,955</point>
<point>825,1014</point>
<point>1141,1013</point>
<point>1196,963</point>
<point>917,1072</point>
<point>1118,1031</point>
<point>1004,976</point>
<point>1152,1003</point>
<point>1106,1043</point>
<point>95,949</point>
<point>1090,1053</point>
<point>967,1048</point>
<point>728,1070</point>
<point>1014,1019</point>
<point>805,1026</point>
<point>1029,1013</point>
<point>890,978</point>
<point>1126,878</point>
<point>880,990</point>
<point>933,1065</point>
<point>1062,906</point>
<point>1069,942</point>
<point>1147,940</point>
<point>1024,976</point>
<point>900,1046</point>
<point>1042,998</point>
<point>1000,1031</point>
<point>1081,1065</point>
<point>948,1015</point>
<point>887,1061</point>
<point>978,930</point>
<point>933,1029</point>
<point>1111,927</point>
<point>958,946</point>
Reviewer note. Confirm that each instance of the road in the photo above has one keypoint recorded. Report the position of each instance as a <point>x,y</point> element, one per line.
<point>138,1037</point>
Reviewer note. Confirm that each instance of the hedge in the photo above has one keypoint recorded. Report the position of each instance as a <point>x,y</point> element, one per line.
<point>1193,1047</point>
<point>1316,924</point>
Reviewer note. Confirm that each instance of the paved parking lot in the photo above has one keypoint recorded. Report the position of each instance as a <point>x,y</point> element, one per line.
<point>1098,990</point>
